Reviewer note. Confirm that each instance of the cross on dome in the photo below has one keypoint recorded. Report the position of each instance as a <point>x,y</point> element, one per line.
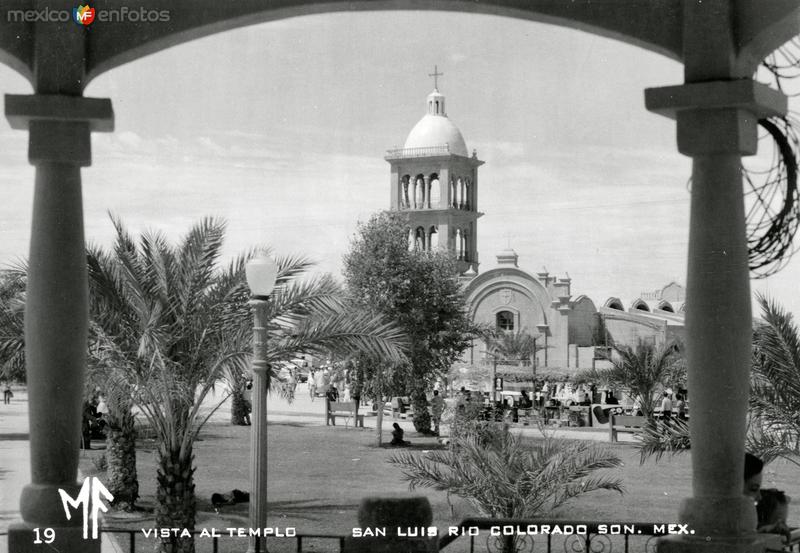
<point>436,76</point>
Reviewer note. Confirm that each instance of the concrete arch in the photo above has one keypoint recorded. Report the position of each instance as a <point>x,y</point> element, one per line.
<point>651,24</point>
<point>476,303</point>
<point>657,25</point>
<point>614,303</point>
<point>640,305</point>
<point>664,305</point>
<point>583,299</point>
<point>517,280</point>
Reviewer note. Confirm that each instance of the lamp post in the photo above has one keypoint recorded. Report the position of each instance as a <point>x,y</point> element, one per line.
<point>494,376</point>
<point>261,273</point>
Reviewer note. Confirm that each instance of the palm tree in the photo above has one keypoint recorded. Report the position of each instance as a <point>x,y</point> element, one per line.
<point>517,346</point>
<point>641,371</point>
<point>12,308</point>
<point>506,476</point>
<point>773,428</point>
<point>105,371</point>
<point>122,480</point>
<point>174,325</point>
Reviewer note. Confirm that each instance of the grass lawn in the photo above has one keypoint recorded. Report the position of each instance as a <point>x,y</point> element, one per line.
<point>318,475</point>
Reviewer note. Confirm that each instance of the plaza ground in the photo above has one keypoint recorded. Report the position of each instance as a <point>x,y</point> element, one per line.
<point>318,475</point>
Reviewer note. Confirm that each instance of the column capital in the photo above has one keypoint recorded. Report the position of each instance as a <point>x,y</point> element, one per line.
<point>717,117</point>
<point>60,126</point>
<point>747,94</point>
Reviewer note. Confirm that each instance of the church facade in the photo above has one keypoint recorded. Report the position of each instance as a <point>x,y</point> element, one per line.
<point>434,181</point>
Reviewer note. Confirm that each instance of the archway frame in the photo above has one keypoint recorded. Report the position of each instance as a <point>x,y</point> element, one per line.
<point>720,44</point>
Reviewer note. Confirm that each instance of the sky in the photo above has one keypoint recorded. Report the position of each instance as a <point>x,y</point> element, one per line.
<point>281,129</point>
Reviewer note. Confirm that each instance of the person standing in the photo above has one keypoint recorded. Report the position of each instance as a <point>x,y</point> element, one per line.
<point>312,384</point>
<point>248,401</point>
<point>333,393</point>
<point>291,385</point>
<point>7,394</point>
<point>680,407</point>
<point>437,408</point>
<point>666,408</point>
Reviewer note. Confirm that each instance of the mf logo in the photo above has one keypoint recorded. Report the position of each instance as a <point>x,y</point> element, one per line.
<point>88,498</point>
<point>83,15</point>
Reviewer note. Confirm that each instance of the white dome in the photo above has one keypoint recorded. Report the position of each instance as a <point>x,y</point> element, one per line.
<point>437,130</point>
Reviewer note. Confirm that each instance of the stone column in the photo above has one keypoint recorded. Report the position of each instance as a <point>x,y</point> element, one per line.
<point>56,311</point>
<point>717,124</point>
<point>444,186</point>
<point>258,432</point>
<point>427,190</point>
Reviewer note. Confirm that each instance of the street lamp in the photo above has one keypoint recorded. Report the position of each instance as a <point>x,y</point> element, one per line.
<point>261,273</point>
<point>494,376</point>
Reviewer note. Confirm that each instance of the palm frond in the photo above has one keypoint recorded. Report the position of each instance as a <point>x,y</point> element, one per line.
<point>503,475</point>
<point>658,439</point>
<point>343,333</point>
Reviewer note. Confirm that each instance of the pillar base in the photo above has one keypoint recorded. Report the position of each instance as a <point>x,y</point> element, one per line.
<point>753,543</point>
<point>41,504</point>
<point>719,516</point>
<point>21,539</point>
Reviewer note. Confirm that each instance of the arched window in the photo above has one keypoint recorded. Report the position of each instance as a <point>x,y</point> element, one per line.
<point>419,239</point>
<point>435,190</point>
<point>419,188</point>
<point>434,238</point>
<point>666,306</point>
<point>505,321</point>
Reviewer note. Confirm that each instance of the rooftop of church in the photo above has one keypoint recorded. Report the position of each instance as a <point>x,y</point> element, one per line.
<point>434,134</point>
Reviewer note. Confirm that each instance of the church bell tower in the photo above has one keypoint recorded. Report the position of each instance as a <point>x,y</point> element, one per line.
<point>434,181</point>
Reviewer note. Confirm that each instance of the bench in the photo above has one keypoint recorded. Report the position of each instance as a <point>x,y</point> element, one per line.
<point>342,409</point>
<point>625,423</point>
<point>401,408</point>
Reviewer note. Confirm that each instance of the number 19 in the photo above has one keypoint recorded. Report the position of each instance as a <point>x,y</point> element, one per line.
<point>49,536</point>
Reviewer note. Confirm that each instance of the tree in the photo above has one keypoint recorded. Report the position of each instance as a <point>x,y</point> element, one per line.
<point>12,308</point>
<point>122,479</point>
<point>506,476</point>
<point>420,291</point>
<point>174,325</point>
<point>773,428</point>
<point>518,346</point>
<point>642,371</point>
